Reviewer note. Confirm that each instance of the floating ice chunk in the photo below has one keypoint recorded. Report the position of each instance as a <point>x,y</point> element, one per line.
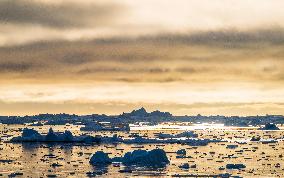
<point>51,136</point>
<point>56,165</point>
<point>184,166</point>
<point>100,158</point>
<point>181,152</point>
<point>255,139</point>
<point>153,158</point>
<point>67,136</point>
<point>164,136</point>
<point>235,166</point>
<point>114,139</point>
<point>87,139</point>
<point>231,146</point>
<point>36,124</point>
<point>95,126</point>
<point>269,126</point>
<point>28,135</point>
<point>187,134</point>
<point>15,174</point>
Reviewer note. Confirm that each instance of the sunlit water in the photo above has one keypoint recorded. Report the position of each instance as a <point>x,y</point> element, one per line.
<point>35,160</point>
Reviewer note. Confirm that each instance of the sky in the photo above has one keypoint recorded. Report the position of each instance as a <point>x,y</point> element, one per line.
<point>188,57</point>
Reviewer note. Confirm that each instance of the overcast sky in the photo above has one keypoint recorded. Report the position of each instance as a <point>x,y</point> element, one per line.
<point>109,56</point>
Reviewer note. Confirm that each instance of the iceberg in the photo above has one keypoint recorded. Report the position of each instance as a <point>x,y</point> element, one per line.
<point>100,158</point>
<point>186,134</point>
<point>143,158</point>
<point>232,146</point>
<point>235,166</point>
<point>184,166</point>
<point>51,136</point>
<point>31,135</point>
<point>181,152</point>
<point>269,126</point>
<point>188,141</point>
<point>153,158</point>
<point>110,127</point>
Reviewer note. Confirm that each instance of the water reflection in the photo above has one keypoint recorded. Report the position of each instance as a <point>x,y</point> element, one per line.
<point>72,160</point>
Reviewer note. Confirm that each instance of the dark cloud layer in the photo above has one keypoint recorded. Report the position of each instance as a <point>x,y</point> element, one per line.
<point>67,15</point>
<point>216,55</point>
<point>225,38</point>
<point>256,37</point>
<point>15,67</point>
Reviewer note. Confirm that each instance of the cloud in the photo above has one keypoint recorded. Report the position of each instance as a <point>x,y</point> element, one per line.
<point>106,69</point>
<point>16,67</point>
<point>25,21</point>
<point>229,38</point>
<point>76,58</point>
<point>205,56</point>
<point>62,15</point>
<point>170,46</point>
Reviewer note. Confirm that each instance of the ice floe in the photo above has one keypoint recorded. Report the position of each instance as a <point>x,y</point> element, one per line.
<point>100,158</point>
<point>31,135</point>
<point>269,126</point>
<point>143,158</point>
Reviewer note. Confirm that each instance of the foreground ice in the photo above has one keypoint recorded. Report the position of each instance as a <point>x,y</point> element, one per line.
<point>143,158</point>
